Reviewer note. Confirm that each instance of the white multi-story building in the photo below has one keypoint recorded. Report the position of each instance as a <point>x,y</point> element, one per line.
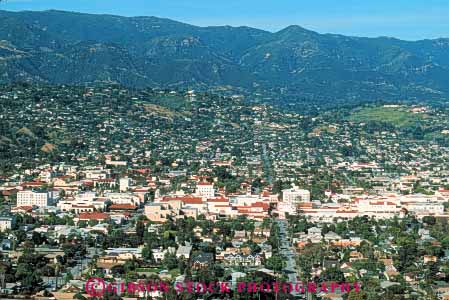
<point>86,196</point>
<point>74,206</point>
<point>295,195</point>
<point>124,184</point>
<point>245,200</point>
<point>218,205</point>
<point>85,202</point>
<point>5,223</point>
<point>96,174</point>
<point>425,208</point>
<point>123,198</point>
<point>205,189</point>
<point>31,198</point>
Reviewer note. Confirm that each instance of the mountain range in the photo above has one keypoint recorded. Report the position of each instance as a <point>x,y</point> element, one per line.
<point>60,47</point>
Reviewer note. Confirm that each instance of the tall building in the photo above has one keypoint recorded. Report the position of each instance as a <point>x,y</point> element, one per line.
<point>205,189</point>
<point>124,184</point>
<point>31,198</point>
<point>295,195</point>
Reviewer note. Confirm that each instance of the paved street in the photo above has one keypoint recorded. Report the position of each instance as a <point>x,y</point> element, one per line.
<point>266,164</point>
<point>82,264</point>
<point>287,253</point>
<point>286,250</point>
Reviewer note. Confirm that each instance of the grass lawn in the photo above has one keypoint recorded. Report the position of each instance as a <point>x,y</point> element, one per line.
<point>398,117</point>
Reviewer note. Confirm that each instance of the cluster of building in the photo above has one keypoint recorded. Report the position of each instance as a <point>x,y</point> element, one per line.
<point>215,204</point>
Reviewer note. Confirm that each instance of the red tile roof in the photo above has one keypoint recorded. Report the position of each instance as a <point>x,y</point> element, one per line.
<point>142,171</point>
<point>33,183</point>
<point>186,199</point>
<point>105,180</point>
<point>382,203</point>
<point>265,206</point>
<point>122,206</point>
<point>22,208</point>
<point>93,216</point>
<point>220,200</point>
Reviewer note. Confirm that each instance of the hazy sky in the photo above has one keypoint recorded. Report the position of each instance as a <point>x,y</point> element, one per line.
<point>406,19</point>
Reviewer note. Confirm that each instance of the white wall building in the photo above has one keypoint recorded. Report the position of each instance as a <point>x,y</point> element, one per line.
<point>124,184</point>
<point>295,195</point>
<point>96,174</point>
<point>425,208</point>
<point>84,202</point>
<point>30,198</point>
<point>184,251</point>
<point>5,223</point>
<point>123,198</point>
<point>205,189</point>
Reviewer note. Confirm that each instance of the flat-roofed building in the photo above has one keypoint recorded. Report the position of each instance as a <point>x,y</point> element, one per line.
<point>31,198</point>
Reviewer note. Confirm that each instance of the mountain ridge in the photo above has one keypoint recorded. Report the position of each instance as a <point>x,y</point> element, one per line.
<point>211,26</point>
<point>60,47</point>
